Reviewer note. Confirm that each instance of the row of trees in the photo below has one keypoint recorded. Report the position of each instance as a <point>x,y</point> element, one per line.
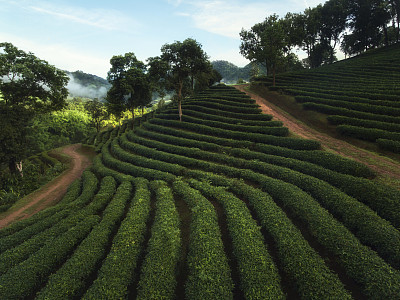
<point>355,25</point>
<point>182,68</point>
<point>31,88</point>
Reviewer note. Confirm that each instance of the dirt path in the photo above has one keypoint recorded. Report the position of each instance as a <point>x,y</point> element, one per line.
<point>54,190</point>
<point>386,169</point>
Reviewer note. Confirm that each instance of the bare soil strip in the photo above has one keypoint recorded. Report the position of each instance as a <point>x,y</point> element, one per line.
<point>54,190</point>
<point>387,170</point>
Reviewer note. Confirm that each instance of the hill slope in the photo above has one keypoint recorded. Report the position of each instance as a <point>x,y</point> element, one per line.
<point>361,95</point>
<point>242,209</point>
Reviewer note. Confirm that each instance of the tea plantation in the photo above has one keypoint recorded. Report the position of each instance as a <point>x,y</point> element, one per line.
<point>361,95</point>
<point>223,205</point>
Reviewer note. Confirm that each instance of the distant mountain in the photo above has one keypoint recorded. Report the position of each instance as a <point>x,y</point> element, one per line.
<point>231,73</point>
<point>87,85</point>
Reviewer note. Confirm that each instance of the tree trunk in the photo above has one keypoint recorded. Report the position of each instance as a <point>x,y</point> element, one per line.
<point>133,118</point>
<point>273,70</point>
<point>386,35</point>
<point>12,166</point>
<point>180,100</point>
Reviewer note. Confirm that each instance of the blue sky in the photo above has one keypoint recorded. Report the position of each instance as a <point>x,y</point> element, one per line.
<point>84,35</point>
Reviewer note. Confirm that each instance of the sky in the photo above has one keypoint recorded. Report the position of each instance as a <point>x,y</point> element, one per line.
<point>84,35</point>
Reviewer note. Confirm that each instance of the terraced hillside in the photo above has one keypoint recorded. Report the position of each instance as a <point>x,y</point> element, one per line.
<point>361,95</point>
<point>223,205</point>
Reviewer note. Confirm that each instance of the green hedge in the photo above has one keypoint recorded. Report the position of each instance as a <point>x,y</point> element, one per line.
<point>25,279</point>
<point>141,161</point>
<point>369,134</point>
<point>390,145</point>
<point>306,269</point>
<point>344,98</point>
<point>278,139</point>
<point>377,279</point>
<point>370,228</point>
<point>259,278</point>
<point>333,110</point>
<point>205,116</point>
<point>223,112</point>
<point>116,272</point>
<point>321,158</point>
<point>158,274</point>
<point>103,171</point>
<point>270,127</point>
<point>72,193</point>
<point>338,120</point>
<point>364,107</point>
<point>205,101</point>
<point>70,280</point>
<point>209,273</point>
<point>16,255</point>
<point>133,170</point>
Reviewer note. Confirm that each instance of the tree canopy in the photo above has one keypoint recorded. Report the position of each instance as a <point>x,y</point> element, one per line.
<point>130,84</point>
<point>179,66</point>
<point>355,25</point>
<point>29,86</point>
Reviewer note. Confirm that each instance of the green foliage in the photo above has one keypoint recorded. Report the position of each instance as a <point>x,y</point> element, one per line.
<point>70,279</point>
<point>29,87</point>
<point>259,278</point>
<point>209,273</point>
<point>158,274</point>
<point>130,85</point>
<point>116,272</point>
<point>24,279</point>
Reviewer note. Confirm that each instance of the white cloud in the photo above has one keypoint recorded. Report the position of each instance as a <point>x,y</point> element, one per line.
<point>62,56</point>
<point>106,19</point>
<point>227,18</point>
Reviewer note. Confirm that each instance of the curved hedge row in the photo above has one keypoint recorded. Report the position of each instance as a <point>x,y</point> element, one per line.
<point>25,279</point>
<point>324,159</point>
<point>270,127</point>
<point>209,273</point>
<point>329,109</point>
<point>369,134</point>
<point>17,254</point>
<point>225,107</point>
<point>306,269</point>
<point>158,274</point>
<point>343,98</point>
<point>288,142</point>
<point>338,120</point>
<point>221,112</point>
<point>133,170</point>
<point>393,146</point>
<point>89,188</point>
<point>205,116</point>
<point>363,107</point>
<point>116,272</point>
<point>375,276</point>
<point>230,103</point>
<point>371,229</point>
<point>259,278</point>
<point>70,280</point>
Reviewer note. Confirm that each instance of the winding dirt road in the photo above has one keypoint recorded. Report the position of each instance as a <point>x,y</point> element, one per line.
<point>54,190</point>
<point>386,169</point>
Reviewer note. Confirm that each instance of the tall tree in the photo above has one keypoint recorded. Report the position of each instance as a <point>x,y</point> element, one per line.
<point>29,86</point>
<point>265,43</point>
<point>130,85</point>
<point>181,63</point>
<point>97,112</point>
